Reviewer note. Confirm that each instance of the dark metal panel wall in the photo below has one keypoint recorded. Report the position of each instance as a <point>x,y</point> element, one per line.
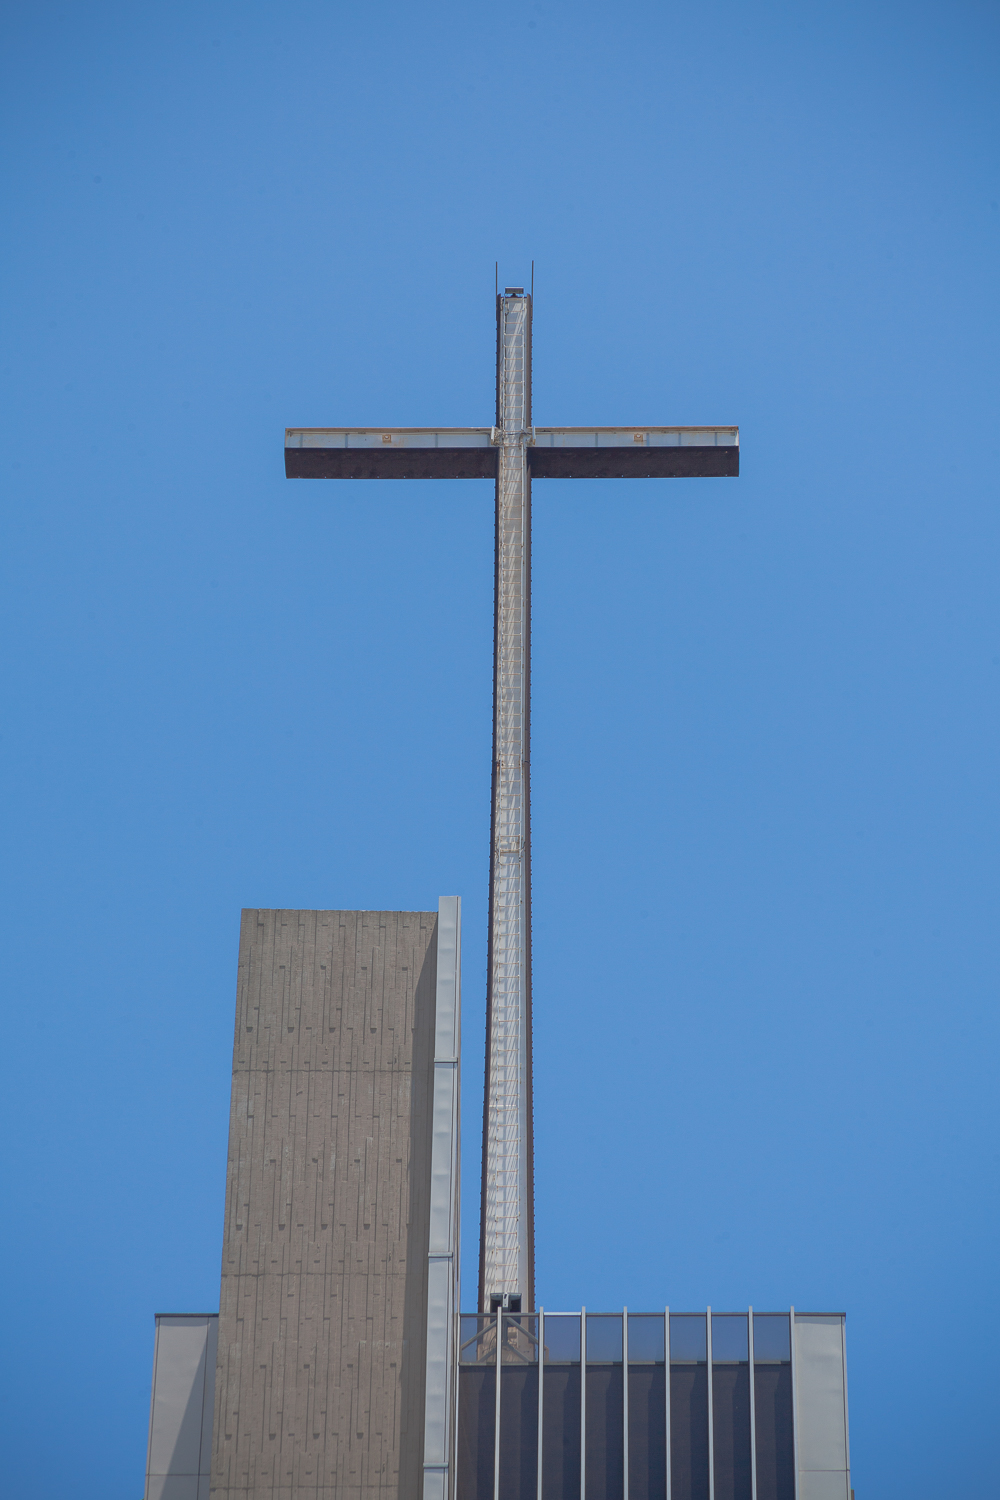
<point>731,1431</point>
<point>476,1430</point>
<point>561,1433</point>
<point>647,1432</point>
<point>519,1433</point>
<point>689,1431</point>
<point>605,1429</point>
<point>772,1385</point>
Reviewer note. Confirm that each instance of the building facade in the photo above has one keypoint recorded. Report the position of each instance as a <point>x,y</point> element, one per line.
<point>339,1367</point>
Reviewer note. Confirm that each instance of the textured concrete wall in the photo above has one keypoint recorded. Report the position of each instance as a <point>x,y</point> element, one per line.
<point>320,1385</point>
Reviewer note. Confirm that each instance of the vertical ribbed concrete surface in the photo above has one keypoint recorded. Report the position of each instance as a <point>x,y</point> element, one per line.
<point>320,1386</point>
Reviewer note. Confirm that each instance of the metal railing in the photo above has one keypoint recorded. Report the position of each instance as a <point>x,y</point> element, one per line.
<point>737,1348</point>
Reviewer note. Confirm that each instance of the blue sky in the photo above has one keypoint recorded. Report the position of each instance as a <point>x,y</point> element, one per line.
<point>765,734</point>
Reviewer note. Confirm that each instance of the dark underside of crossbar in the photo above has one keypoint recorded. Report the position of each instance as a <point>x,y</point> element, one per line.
<point>399,463</point>
<point>481,463</point>
<point>634,463</point>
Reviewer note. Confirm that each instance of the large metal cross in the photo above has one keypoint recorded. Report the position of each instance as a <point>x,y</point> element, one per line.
<point>512,453</point>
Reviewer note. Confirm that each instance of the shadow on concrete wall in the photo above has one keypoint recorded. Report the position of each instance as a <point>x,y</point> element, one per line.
<point>413,1369</point>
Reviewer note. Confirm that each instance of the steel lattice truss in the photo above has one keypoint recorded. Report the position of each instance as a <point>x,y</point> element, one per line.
<point>507,1170</point>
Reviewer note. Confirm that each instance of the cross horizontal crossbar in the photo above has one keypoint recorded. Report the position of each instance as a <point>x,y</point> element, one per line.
<point>471,452</point>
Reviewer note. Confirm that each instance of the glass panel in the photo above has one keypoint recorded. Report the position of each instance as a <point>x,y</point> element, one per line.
<point>647,1426</point>
<point>729,1337</point>
<point>477,1339</point>
<point>560,1428</point>
<point>520,1339</point>
<point>476,1427</point>
<point>605,1423</point>
<point>772,1394</point>
<point>562,1337</point>
<point>604,1338</point>
<point>645,1339</point>
<point>770,1337</point>
<point>688,1337</point>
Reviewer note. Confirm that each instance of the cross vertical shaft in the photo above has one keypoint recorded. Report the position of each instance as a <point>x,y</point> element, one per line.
<point>506,1253</point>
<point>510,453</point>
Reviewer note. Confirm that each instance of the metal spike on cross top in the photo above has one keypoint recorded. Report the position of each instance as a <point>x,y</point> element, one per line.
<point>512,453</point>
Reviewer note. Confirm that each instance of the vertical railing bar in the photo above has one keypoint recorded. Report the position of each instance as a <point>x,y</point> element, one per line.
<point>847,1432</point>
<point>458,1358</point>
<point>711,1430</point>
<point>625,1402</point>
<point>583,1403</point>
<point>541,1374</point>
<point>795,1403</point>
<point>753,1409</point>
<point>453,1449</point>
<point>666,1356</point>
<point>496,1440</point>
